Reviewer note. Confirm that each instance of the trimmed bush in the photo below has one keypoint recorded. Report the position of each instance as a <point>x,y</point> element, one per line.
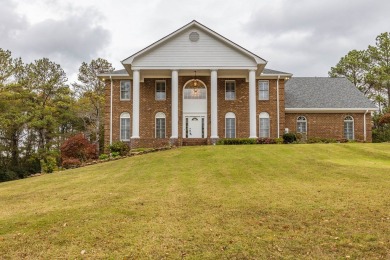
<point>71,163</point>
<point>236,141</point>
<point>313,140</point>
<point>289,138</point>
<point>265,141</point>
<point>119,147</point>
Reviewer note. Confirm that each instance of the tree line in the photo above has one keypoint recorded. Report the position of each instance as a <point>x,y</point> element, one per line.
<point>39,110</point>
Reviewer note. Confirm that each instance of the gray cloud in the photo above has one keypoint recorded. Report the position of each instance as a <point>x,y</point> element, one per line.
<point>308,37</point>
<point>70,40</point>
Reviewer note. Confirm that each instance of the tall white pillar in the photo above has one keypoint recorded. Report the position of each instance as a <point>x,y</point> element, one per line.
<point>175,104</point>
<point>252,104</point>
<point>135,126</point>
<point>214,104</point>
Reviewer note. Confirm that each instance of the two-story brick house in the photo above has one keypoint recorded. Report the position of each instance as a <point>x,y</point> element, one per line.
<point>196,85</point>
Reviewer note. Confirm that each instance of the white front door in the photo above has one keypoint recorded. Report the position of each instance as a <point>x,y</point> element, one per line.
<point>194,127</point>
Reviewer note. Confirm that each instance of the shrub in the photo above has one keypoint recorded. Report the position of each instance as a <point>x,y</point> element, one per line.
<point>384,119</point>
<point>121,148</point>
<point>236,141</point>
<point>78,147</point>
<point>7,175</point>
<point>115,154</point>
<point>265,141</point>
<point>49,164</point>
<point>278,140</point>
<point>313,140</point>
<point>71,163</point>
<point>289,138</point>
<point>104,156</point>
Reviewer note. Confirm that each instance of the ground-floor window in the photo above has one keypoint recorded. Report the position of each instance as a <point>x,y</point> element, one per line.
<point>348,128</point>
<point>301,125</point>
<point>160,125</point>
<point>125,126</point>
<point>230,125</point>
<point>264,125</point>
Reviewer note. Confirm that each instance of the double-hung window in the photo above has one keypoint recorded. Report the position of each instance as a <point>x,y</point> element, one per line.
<point>264,125</point>
<point>230,90</point>
<point>161,90</point>
<point>125,90</point>
<point>263,90</point>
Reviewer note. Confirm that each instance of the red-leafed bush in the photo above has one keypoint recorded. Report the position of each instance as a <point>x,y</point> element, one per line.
<point>68,163</point>
<point>78,147</point>
<point>385,119</point>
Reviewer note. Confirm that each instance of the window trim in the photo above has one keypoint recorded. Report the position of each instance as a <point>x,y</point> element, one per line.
<point>155,89</point>
<point>160,115</point>
<point>265,115</point>
<point>120,90</point>
<point>351,120</point>
<point>124,115</point>
<point>258,85</point>
<point>235,89</point>
<point>231,115</point>
<point>298,120</point>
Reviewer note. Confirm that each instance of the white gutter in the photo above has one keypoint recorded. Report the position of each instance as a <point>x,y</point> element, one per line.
<point>365,127</point>
<point>334,110</point>
<point>111,111</point>
<point>277,107</point>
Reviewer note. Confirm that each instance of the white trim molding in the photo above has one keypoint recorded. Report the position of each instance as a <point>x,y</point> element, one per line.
<point>329,110</point>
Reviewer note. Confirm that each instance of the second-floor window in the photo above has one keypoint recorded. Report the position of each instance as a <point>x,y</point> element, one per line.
<point>230,90</point>
<point>263,90</point>
<point>125,89</point>
<point>161,90</point>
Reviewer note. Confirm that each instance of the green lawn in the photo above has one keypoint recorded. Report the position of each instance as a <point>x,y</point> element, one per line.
<point>320,201</point>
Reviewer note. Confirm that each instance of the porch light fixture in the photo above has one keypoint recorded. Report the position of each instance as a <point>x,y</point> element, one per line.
<point>195,84</point>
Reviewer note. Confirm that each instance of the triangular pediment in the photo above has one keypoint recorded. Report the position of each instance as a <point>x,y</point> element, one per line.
<point>194,46</point>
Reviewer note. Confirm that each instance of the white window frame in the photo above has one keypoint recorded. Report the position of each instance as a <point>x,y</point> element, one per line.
<point>120,90</point>
<point>165,90</point>
<point>124,115</point>
<point>301,119</point>
<point>262,91</point>
<point>235,92</point>
<point>349,119</point>
<point>160,115</point>
<point>231,115</point>
<point>264,115</point>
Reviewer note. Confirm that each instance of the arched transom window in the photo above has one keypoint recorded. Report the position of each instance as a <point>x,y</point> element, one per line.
<point>195,89</point>
<point>264,125</point>
<point>160,125</point>
<point>230,125</point>
<point>302,125</point>
<point>125,126</point>
<point>349,128</point>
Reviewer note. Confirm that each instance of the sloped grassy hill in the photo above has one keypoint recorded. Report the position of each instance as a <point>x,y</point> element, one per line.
<point>264,201</point>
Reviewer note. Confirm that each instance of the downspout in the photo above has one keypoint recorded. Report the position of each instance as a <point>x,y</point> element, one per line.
<point>365,126</point>
<point>277,107</point>
<point>111,111</point>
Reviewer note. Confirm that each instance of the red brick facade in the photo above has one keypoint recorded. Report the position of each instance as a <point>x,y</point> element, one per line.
<point>319,125</point>
<point>331,125</point>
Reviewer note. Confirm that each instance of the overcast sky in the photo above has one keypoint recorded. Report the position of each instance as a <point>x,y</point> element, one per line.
<point>304,37</point>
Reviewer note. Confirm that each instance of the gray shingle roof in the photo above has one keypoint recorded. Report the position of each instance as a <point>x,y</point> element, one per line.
<point>324,93</point>
<point>273,72</point>
<point>119,72</point>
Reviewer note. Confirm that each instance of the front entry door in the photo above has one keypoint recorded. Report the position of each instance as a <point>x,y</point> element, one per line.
<point>194,126</point>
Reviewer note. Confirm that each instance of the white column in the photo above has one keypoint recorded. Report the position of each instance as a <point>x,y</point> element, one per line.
<point>214,104</point>
<point>175,104</point>
<point>252,104</point>
<point>135,126</point>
